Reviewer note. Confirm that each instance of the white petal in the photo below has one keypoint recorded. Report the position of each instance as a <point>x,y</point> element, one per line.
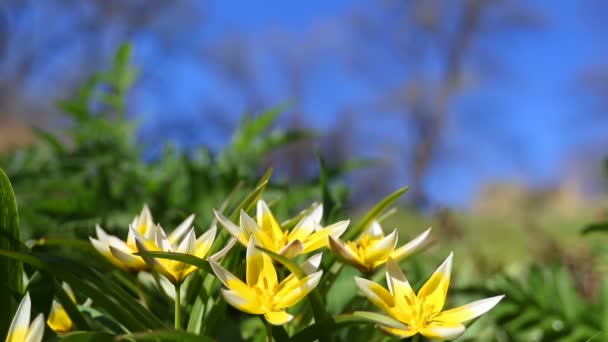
<point>338,228</point>
<point>188,244</point>
<point>21,320</point>
<point>411,246</point>
<point>180,230</point>
<point>312,264</point>
<point>443,332</point>
<point>232,228</point>
<point>248,224</point>
<point>469,311</point>
<point>208,236</point>
<point>220,254</point>
<point>393,271</point>
<point>374,230</point>
<point>292,249</point>
<point>36,330</point>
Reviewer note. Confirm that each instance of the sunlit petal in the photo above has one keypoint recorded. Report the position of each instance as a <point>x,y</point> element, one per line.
<point>21,321</point>
<point>127,259</point>
<point>259,235</point>
<point>267,222</point>
<point>344,253</point>
<point>434,291</point>
<point>183,228</point>
<point>374,230</point>
<point>401,333</point>
<point>59,320</point>
<point>469,311</point>
<point>290,296</point>
<point>320,238</point>
<point>36,330</point>
<point>292,249</point>
<point>227,278</point>
<point>278,317</point>
<point>380,251</point>
<point>376,294</point>
<point>232,228</point>
<point>260,270</point>
<point>411,246</point>
<point>245,301</point>
<point>308,223</point>
<point>442,332</point>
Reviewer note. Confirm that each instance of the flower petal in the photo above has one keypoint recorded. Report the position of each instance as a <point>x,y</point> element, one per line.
<point>319,239</point>
<point>307,224</point>
<point>403,294</point>
<point>469,311</point>
<point>260,270</point>
<point>292,249</point>
<point>288,296</point>
<point>374,230</point>
<point>401,333</point>
<point>127,260</point>
<point>345,253</point>
<point>204,242</point>
<point>220,254</point>
<point>267,222</point>
<point>36,330</point>
<point>21,320</point>
<point>183,228</point>
<point>232,228</point>
<point>245,301</point>
<point>434,291</point>
<point>312,264</point>
<point>380,251</point>
<point>376,294</point>
<point>142,222</point>
<point>252,229</point>
<point>411,246</point>
<point>442,332</point>
<point>58,319</point>
<point>278,317</point>
<point>227,278</point>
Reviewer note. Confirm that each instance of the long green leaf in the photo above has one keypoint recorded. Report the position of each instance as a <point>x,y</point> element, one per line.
<point>11,270</point>
<point>87,336</point>
<point>70,308</point>
<point>185,258</point>
<point>250,200</point>
<point>374,213</point>
<point>600,227</point>
<point>165,335</point>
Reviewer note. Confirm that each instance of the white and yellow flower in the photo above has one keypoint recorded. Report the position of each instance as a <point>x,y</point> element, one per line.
<point>423,312</point>
<point>262,293</point>
<point>21,330</point>
<point>58,319</point>
<point>120,252</point>
<point>182,240</point>
<point>308,235</point>
<point>372,249</point>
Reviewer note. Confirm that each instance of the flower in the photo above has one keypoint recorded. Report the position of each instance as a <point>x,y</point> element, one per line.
<point>262,293</point>
<point>422,313</point>
<point>181,240</point>
<point>308,234</point>
<point>59,320</point>
<point>373,249</point>
<point>120,252</point>
<point>21,330</point>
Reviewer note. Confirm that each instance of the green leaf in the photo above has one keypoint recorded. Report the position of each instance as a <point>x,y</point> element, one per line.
<point>250,200</point>
<point>165,335</point>
<point>374,213</point>
<point>185,258</point>
<point>11,270</point>
<point>87,336</point>
<point>329,202</point>
<point>600,227</point>
<point>379,319</point>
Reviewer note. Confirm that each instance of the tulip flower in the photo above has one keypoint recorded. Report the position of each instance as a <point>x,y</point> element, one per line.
<point>59,320</point>
<point>182,240</point>
<point>373,249</point>
<point>262,293</point>
<point>120,252</point>
<point>21,330</point>
<point>308,235</point>
<point>423,312</point>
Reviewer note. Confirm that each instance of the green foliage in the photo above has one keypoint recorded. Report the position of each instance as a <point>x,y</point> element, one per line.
<point>10,270</point>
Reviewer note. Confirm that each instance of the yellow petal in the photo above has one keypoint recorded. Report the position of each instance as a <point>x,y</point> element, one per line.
<point>309,266</point>
<point>59,320</point>
<point>262,237</point>
<point>292,292</point>
<point>267,222</point>
<point>376,294</point>
<point>21,321</point>
<point>278,317</point>
<point>260,270</point>
<point>320,238</point>
<point>402,292</point>
<point>228,279</point>
<point>308,224</point>
<point>36,330</point>
<point>442,332</point>
<point>345,253</point>
<point>411,246</point>
<point>401,333</point>
<point>379,252</point>
<point>374,230</point>
<point>183,228</point>
<point>127,260</point>
<point>292,249</point>
<point>204,242</point>
<point>232,228</point>
<point>435,290</point>
<point>245,301</point>
<point>468,312</point>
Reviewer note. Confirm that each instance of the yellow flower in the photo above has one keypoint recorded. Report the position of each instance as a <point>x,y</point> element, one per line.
<point>59,320</point>
<point>120,252</point>
<point>308,235</point>
<point>422,313</point>
<point>373,249</point>
<point>262,293</point>
<point>182,240</point>
<point>21,330</point>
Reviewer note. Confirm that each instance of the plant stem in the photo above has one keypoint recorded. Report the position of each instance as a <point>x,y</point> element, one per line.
<point>416,338</point>
<point>178,308</point>
<point>268,332</point>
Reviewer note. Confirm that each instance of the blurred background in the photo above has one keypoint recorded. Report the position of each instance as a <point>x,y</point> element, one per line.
<point>492,111</point>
